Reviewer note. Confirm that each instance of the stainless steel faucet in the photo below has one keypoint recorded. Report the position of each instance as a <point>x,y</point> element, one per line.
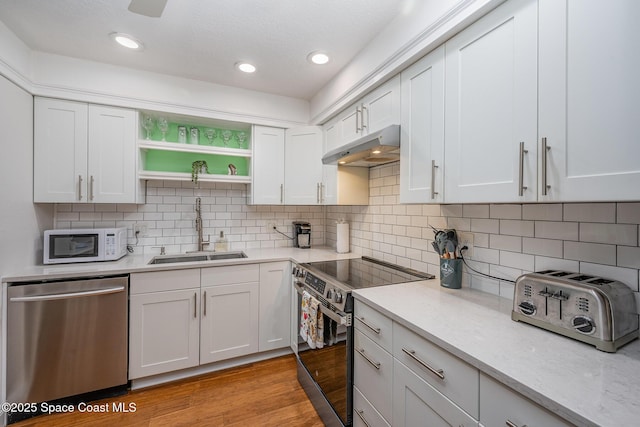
<point>201,242</point>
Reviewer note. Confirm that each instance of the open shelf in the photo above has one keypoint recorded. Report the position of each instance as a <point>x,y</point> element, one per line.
<point>145,144</point>
<point>180,176</point>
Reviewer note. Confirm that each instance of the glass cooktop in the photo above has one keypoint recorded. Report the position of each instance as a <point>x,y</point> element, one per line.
<point>365,272</point>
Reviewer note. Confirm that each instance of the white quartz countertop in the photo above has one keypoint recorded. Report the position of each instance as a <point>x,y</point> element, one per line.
<point>140,263</point>
<point>585,386</point>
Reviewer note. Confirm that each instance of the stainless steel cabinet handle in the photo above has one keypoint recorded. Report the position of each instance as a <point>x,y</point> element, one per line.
<point>371,362</point>
<point>433,179</point>
<point>360,413</point>
<point>318,193</point>
<point>509,423</point>
<point>204,297</point>
<point>545,150</point>
<point>373,328</point>
<point>358,113</point>
<point>362,117</point>
<point>521,186</point>
<point>437,372</point>
<point>195,305</point>
<point>50,297</point>
<point>281,193</point>
<point>91,188</point>
<point>79,187</point>
<point>321,193</point>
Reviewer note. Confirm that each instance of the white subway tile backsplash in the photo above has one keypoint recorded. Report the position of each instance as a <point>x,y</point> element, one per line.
<point>628,213</point>
<point>507,243</point>
<point>491,226</point>
<point>617,234</point>
<point>451,210</point>
<point>628,276</point>
<point>629,256</point>
<point>545,247</point>
<point>505,211</point>
<point>590,252</point>
<point>516,228</point>
<point>475,211</point>
<point>542,212</point>
<point>546,263</point>
<point>517,260</point>
<point>490,256</point>
<point>590,212</point>
<point>557,230</point>
<point>485,284</point>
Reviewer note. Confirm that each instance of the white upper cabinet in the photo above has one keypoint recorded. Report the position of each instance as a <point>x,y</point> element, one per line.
<point>589,91</point>
<point>422,130</point>
<point>303,162</point>
<point>267,187</point>
<point>84,153</point>
<point>490,107</point>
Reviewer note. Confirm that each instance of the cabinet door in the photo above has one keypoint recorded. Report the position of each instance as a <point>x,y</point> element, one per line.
<point>112,155</point>
<point>589,91</point>
<point>350,124</point>
<point>331,135</point>
<point>229,325</point>
<point>59,151</point>
<point>275,305</point>
<point>373,374</point>
<point>381,107</point>
<point>490,107</point>
<point>422,130</point>
<point>303,162</point>
<point>267,175</point>
<point>163,332</point>
<point>499,405</point>
<point>416,403</point>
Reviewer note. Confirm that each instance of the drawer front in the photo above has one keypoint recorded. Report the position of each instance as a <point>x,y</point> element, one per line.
<point>373,324</point>
<point>417,403</point>
<point>159,281</point>
<point>459,382</point>
<point>230,274</point>
<point>372,373</point>
<point>500,405</point>
<point>364,414</point>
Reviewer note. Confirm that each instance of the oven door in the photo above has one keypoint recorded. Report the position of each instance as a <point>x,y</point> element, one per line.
<point>330,367</point>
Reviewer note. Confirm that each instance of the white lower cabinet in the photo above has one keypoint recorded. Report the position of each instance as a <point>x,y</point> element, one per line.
<point>364,414</point>
<point>499,406</point>
<point>416,403</point>
<point>373,373</point>
<point>275,305</point>
<point>164,322</point>
<point>185,318</point>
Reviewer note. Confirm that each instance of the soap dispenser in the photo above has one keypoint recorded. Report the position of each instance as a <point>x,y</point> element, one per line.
<point>221,244</point>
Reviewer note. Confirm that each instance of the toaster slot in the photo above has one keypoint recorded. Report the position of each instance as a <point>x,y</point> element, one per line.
<point>581,278</point>
<point>561,274</point>
<point>600,281</point>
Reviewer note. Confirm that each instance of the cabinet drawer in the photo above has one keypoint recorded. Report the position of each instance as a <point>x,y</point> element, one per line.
<point>364,414</point>
<point>372,373</point>
<point>416,403</point>
<point>499,404</point>
<point>158,281</point>
<point>373,324</point>
<point>460,380</point>
<point>230,274</point>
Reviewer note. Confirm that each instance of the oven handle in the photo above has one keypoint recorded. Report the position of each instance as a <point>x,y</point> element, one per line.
<point>340,320</point>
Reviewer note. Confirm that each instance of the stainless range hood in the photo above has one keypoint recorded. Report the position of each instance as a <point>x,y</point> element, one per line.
<point>374,149</point>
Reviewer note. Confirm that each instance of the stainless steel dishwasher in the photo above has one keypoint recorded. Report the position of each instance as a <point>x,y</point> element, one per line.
<point>66,338</point>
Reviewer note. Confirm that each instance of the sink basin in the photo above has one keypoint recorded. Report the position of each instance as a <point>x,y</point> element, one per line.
<point>168,259</point>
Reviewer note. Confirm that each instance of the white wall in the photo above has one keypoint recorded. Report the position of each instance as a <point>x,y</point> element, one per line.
<point>21,222</point>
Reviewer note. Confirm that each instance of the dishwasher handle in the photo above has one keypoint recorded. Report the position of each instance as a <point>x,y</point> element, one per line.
<point>51,297</point>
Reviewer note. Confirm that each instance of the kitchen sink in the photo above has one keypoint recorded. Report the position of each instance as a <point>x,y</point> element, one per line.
<point>215,256</point>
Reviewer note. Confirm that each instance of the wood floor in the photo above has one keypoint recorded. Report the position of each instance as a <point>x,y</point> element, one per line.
<point>260,394</point>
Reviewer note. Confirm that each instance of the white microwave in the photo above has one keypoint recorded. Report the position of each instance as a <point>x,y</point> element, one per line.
<point>84,245</point>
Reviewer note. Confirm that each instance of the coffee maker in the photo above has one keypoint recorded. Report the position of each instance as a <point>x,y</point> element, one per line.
<point>301,234</point>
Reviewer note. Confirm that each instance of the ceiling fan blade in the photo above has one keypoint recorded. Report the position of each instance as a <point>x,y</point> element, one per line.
<point>151,8</point>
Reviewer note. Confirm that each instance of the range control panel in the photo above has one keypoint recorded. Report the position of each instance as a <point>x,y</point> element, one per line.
<point>329,292</point>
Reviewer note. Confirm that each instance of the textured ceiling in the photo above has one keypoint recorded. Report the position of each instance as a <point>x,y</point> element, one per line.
<point>203,39</point>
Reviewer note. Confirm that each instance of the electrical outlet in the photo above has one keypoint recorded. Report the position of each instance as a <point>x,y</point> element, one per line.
<point>141,229</point>
<point>466,239</point>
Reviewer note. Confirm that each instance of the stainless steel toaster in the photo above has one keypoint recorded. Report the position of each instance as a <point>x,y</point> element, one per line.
<point>592,309</point>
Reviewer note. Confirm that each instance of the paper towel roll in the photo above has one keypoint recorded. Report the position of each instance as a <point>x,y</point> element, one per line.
<point>342,241</point>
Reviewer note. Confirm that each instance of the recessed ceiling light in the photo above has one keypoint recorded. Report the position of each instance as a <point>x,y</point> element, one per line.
<point>376,152</point>
<point>127,41</point>
<point>342,162</point>
<point>318,58</point>
<point>245,67</point>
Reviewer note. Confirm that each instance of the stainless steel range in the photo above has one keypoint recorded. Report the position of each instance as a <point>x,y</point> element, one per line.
<point>325,363</point>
